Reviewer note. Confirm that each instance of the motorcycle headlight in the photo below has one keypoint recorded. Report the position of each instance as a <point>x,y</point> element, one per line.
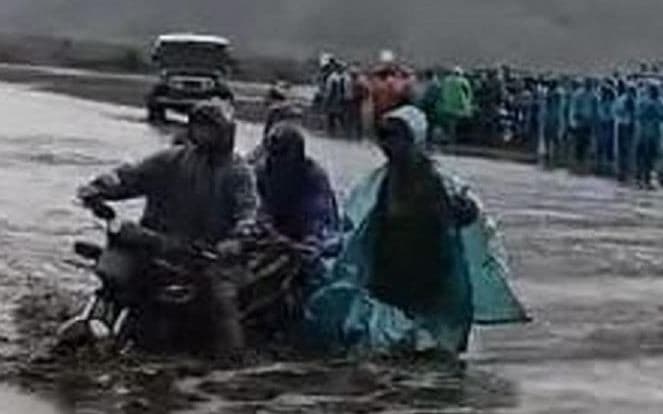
<point>177,294</point>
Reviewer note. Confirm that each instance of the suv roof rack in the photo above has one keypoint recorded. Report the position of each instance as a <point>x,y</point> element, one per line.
<point>192,38</point>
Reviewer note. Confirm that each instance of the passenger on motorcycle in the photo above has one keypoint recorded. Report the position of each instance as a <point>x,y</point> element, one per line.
<point>299,206</point>
<point>295,191</point>
<point>201,192</point>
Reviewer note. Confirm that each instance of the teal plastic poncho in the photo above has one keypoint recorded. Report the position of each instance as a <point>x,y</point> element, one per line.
<point>343,313</point>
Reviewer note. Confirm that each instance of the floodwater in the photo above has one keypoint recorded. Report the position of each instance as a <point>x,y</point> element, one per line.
<point>586,256</point>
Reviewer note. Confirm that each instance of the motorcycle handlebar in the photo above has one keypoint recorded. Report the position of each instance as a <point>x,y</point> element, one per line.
<point>132,234</point>
<point>88,250</point>
<point>100,209</point>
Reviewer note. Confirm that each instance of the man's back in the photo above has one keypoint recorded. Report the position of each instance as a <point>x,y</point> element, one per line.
<point>650,116</point>
<point>554,104</point>
<point>624,109</point>
<point>334,91</point>
<point>606,103</point>
<point>585,106</point>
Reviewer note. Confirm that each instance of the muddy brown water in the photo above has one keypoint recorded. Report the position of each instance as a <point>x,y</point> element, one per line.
<point>586,255</point>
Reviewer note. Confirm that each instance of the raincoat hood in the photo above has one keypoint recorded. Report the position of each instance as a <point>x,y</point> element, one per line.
<point>414,119</point>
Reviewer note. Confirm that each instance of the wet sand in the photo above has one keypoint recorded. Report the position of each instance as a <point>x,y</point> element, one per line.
<point>586,258</point>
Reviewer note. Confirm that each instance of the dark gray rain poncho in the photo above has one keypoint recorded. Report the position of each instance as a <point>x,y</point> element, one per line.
<point>189,193</point>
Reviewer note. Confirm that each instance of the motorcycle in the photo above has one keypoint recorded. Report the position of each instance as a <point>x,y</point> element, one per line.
<point>157,292</point>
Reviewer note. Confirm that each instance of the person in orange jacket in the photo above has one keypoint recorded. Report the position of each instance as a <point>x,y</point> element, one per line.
<point>391,85</point>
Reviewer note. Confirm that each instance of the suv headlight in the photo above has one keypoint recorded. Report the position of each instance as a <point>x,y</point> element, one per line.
<point>208,84</point>
<point>173,83</point>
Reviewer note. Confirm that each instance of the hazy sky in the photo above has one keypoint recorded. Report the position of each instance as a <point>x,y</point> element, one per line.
<point>539,32</point>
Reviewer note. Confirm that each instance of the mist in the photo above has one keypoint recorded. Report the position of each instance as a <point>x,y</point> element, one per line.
<point>535,33</point>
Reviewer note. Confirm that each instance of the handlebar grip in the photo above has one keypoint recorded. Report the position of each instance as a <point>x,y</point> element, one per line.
<point>88,250</point>
<point>100,209</point>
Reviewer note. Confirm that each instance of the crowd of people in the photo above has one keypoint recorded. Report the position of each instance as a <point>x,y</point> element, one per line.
<point>604,125</point>
<point>342,91</point>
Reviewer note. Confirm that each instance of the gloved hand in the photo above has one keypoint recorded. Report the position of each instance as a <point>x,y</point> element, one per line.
<point>94,190</point>
<point>87,193</point>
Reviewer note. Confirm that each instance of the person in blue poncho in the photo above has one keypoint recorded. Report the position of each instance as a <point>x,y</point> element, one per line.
<point>605,150</point>
<point>584,108</point>
<point>625,116</point>
<point>649,115</point>
<point>421,264</point>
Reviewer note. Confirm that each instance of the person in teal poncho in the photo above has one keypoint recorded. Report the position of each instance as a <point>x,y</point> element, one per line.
<point>584,109</point>
<point>649,115</point>
<point>624,112</point>
<point>421,264</point>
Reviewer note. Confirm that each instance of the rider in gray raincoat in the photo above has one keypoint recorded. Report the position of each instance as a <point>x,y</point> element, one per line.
<point>199,192</point>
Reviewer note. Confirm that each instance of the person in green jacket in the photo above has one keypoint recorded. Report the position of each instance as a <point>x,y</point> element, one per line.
<point>456,102</point>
